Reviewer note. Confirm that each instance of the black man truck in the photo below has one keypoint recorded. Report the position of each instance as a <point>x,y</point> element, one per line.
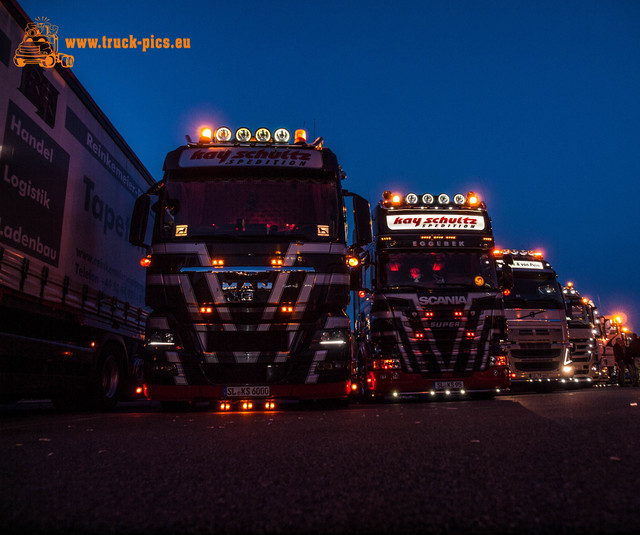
<point>537,329</point>
<point>72,309</point>
<point>248,277</point>
<point>430,315</point>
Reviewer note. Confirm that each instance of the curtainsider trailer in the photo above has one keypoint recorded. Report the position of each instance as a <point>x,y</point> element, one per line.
<point>72,309</point>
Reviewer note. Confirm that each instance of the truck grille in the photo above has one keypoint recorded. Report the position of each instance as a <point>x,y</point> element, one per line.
<point>247,341</point>
<point>535,366</point>
<point>536,353</point>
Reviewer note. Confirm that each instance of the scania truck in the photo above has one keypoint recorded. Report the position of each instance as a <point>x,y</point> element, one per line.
<point>248,277</point>
<point>537,329</point>
<point>429,314</point>
<point>585,336</point>
<point>72,310</point>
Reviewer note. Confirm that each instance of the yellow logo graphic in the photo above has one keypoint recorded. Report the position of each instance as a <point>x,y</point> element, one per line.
<point>39,46</point>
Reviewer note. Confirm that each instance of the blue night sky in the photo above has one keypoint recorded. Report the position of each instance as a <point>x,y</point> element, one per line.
<point>532,104</point>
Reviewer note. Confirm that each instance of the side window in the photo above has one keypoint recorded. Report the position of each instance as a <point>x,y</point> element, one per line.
<point>41,92</point>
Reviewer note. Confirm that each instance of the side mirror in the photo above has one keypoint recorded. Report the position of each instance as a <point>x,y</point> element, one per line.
<point>507,277</point>
<point>139,221</point>
<point>356,275</point>
<point>362,220</point>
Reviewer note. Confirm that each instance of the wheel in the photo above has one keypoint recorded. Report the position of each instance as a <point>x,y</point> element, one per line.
<point>108,379</point>
<point>48,62</point>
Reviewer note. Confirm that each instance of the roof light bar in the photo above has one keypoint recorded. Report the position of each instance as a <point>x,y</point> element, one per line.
<point>282,135</point>
<point>411,198</point>
<point>223,134</point>
<point>263,135</point>
<point>243,135</point>
<point>470,200</point>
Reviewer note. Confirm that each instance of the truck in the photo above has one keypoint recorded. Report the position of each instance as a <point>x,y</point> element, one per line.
<point>585,336</point>
<point>248,276</point>
<point>537,329</point>
<point>429,315</point>
<point>72,310</point>
<point>39,46</point>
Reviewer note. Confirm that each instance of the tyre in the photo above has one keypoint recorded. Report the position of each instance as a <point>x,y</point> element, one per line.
<point>109,378</point>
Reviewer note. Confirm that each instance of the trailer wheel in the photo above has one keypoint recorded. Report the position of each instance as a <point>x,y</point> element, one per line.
<point>108,380</point>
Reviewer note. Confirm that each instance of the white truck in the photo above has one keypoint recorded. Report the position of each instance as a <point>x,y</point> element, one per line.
<point>585,335</point>
<point>72,308</point>
<point>537,330</point>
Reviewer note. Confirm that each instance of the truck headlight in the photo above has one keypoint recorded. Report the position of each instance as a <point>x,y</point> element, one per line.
<point>328,338</point>
<point>161,339</point>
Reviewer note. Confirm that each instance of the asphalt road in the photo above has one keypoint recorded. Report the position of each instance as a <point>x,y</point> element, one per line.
<point>561,462</point>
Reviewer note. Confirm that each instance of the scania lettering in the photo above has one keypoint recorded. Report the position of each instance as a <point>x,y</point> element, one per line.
<point>72,311</point>
<point>429,314</point>
<point>247,273</point>
<point>537,330</point>
<point>585,336</point>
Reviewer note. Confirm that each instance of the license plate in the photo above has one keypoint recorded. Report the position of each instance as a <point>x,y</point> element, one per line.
<point>449,385</point>
<point>247,391</point>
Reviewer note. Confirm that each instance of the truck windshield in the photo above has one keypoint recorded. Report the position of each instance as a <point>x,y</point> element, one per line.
<point>576,311</point>
<point>537,290</point>
<point>438,270</point>
<point>298,209</point>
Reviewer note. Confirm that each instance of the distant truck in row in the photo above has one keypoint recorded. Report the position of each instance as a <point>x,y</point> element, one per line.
<point>72,310</point>
<point>537,329</point>
<point>429,313</point>
<point>586,334</point>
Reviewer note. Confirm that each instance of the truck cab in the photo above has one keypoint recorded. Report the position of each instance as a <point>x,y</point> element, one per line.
<point>584,321</point>
<point>537,329</point>
<point>429,314</point>
<point>248,273</point>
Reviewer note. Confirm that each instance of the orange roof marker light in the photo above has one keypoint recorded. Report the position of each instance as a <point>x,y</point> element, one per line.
<point>205,135</point>
<point>300,137</point>
<point>472,199</point>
